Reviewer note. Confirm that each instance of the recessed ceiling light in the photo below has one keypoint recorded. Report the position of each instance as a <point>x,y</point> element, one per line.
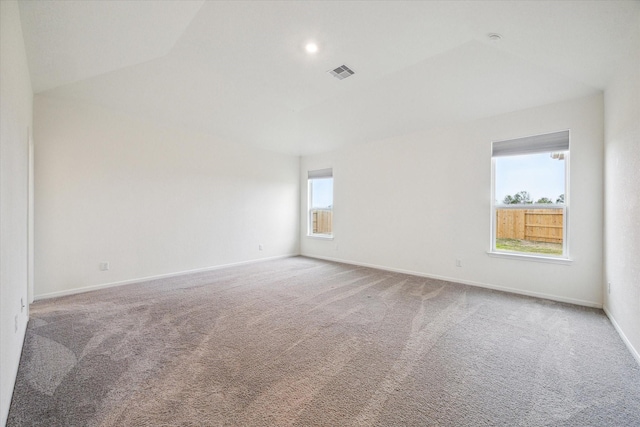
<point>494,37</point>
<point>311,47</point>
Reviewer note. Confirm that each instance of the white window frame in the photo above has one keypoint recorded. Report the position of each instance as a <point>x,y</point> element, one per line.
<point>532,140</point>
<point>312,175</point>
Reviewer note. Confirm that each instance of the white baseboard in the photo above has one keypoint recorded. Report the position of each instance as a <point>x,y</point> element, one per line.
<point>466,282</point>
<point>147,278</point>
<point>11,373</point>
<point>626,341</point>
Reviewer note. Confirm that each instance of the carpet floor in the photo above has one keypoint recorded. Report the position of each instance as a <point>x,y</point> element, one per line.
<point>305,342</point>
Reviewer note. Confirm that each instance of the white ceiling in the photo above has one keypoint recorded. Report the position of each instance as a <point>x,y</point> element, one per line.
<point>238,70</point>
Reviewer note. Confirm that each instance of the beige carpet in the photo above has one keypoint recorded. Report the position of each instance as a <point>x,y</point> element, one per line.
<point>312,343</point>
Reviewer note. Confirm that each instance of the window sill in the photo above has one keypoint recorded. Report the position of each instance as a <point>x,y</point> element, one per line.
<point>319,237</point>
<point>526,257</point>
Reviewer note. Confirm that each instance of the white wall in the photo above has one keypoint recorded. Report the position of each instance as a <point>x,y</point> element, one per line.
<point>418,202</point>
<point>150,201</point>
<point>622,201</point>
<point>16,99</point>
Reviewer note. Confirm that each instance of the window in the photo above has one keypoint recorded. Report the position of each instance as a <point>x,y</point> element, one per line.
<point>530,195</point>
<point>321,203</point>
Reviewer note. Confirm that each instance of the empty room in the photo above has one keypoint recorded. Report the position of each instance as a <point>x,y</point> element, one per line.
<point>319,213</point>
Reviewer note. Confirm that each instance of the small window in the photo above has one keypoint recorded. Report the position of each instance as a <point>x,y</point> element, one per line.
<point>530,195</point>
<point>321,203</point>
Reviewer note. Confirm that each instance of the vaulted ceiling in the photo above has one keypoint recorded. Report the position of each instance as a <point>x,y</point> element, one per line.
<point>238,69</point>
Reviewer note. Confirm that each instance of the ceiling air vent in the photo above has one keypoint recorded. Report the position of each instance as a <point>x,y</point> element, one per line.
<point>342,72</point>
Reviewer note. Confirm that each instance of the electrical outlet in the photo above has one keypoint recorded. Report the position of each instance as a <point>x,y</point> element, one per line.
<point>104,266</point>
<point>15,328</point>
<point>458,262</point>
<point>609,288</point>
<point>260,247</point>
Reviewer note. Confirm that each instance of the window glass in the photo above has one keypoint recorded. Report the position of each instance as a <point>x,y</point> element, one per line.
<point>322,193</point>
<point>529,209</point>
<point>321,206</point>
<point>539,176</point>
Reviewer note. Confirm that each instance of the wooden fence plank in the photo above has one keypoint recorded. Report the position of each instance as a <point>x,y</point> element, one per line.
<point>540,225</point>
<point>322,222</point>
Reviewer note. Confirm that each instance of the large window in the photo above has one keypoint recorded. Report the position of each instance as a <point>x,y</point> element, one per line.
<point>321,203</point>
<point>530,195</point>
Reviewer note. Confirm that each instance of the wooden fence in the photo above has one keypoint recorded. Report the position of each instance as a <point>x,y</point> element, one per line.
<point>322,221</point>
<point>538,225</point>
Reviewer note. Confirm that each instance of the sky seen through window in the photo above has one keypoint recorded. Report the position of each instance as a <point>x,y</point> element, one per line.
<point>539,174</point>
<point>322,193</point>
